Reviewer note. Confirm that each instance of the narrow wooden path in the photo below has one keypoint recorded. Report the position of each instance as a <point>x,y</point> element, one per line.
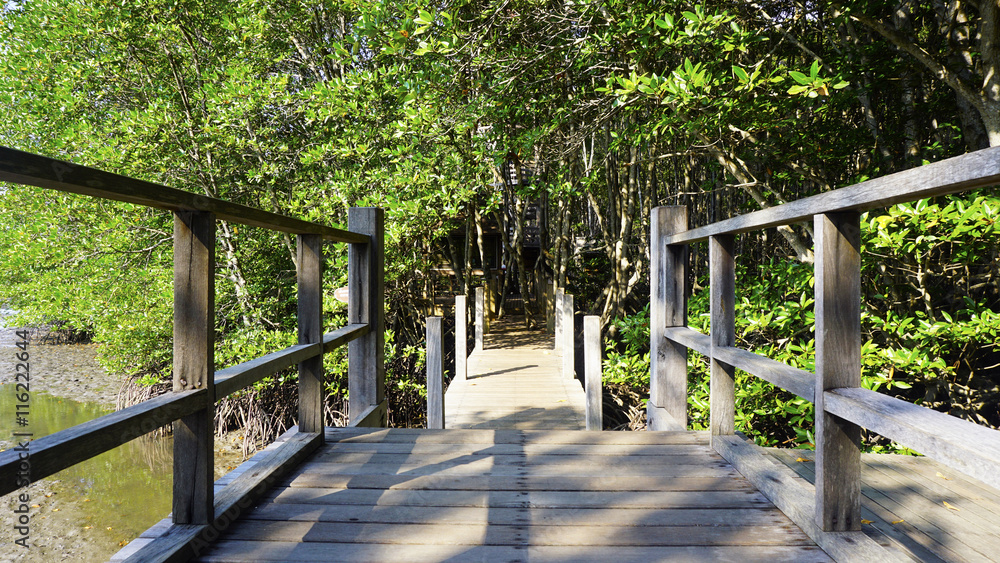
<point>513,495</point>
<point>516,381</point>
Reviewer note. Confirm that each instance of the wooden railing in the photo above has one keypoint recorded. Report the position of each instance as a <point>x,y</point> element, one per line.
<point>843,407</point>
<point>198,513</point>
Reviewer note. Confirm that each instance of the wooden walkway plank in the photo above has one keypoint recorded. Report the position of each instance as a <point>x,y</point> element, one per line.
<point>366,497</point>
<point>306,552</point>
<point>516,535</point>
<point>677,517</point>
<point>517,483</point>
<point>515,381</point>
<point>906,508</point>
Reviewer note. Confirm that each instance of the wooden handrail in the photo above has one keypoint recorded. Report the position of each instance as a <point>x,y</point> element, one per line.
<point>197,386</point>
<point>958,174</point>
<point>55,452</point>
<point>960,444</point>
<point>21,167</point>
<point>241,376</point>
<point>842,406</point>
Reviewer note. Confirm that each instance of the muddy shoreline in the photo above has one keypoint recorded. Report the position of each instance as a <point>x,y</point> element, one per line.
<point>66,524</point>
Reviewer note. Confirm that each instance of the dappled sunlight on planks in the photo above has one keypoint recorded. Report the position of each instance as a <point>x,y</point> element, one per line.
<point>511,495</point>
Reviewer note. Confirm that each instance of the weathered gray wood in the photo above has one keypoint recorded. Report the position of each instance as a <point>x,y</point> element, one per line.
<point>516,499</point>
<point>329,461</point>
<point>480,317</point>
<point>838,364</point>
<point>524,483</point>
<point>569,338</point>
<point>722,280</point>
<point>515,388</point>
<point>959,444</point>
<point>366,289</point>
<point>613,450</point>
<point>797,381</point>
<point>310,319</point>
<point>435,373</point>
<point>566,497</point>
<point>461,337</point>
<point>502,534</point>
<point>240,376</point>
<point>800,382</point>
<point>55,452</point>
<point>506,436</point>
<point>689,338</point>
<point>885,515</point>
<point>35,170</point>
<point>372,417</point>
<point>343,335</point>
<point>592,368</point>
<point>194,364</point>
<point>184,542</point>
<point>778,483</point>
<point>953,175</point>
<point>667,308</point>
<point>560,292</point>
<point>306,552</point>
<point>536,516</point>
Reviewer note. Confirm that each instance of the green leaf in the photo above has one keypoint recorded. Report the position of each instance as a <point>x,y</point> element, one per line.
<point>799,77</point>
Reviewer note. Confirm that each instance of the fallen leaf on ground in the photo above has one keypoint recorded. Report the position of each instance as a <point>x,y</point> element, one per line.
<point>897,521</point>
<point>951,507</point>
<point>941,475</point>
<point>866,521</point>
<point>801,459</point>
<point>561,401</point>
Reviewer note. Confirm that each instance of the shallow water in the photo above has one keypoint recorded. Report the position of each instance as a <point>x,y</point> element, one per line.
<point>119,493</point>
<point>85,512</point>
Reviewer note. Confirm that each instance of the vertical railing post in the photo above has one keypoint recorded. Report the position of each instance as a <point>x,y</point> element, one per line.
<point>667,405</point>
<point>592,371</point>
<point>310,315</point>
<point>461,337</point>
<point>722,294</point>
<point>568,335</point>
<point>550,317</point>
<point>838,364</point>
<point>560,295</point>
<point>366,291</point>
<point>435,374</point>
<point>480,317</point>
<point>194,364</point>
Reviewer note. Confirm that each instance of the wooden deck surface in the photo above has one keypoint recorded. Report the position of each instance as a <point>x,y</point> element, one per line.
<point>513,495</point>
<point>929,511</point>
<point>515,382</point>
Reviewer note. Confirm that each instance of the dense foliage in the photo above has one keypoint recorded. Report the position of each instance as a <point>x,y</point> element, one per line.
<point>464,116</point>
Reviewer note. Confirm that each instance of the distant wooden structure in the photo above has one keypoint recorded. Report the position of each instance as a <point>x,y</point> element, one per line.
<point>322,494</point>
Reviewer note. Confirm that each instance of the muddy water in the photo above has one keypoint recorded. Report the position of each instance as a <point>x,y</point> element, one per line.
<point>88,511</point>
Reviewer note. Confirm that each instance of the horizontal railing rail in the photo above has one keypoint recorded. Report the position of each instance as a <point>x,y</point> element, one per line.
<point>198,513</point>
<point>958,174</point>
<point>19,167</point>
<point>843,407</point>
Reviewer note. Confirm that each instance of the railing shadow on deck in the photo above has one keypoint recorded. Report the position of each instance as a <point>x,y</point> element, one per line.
<point>199,513</point>
<point>843,407</point>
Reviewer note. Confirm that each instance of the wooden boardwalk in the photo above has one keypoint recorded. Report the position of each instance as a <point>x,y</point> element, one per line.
<point>516,381</point>
<point>924,508</point>
<point>513,495</point>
